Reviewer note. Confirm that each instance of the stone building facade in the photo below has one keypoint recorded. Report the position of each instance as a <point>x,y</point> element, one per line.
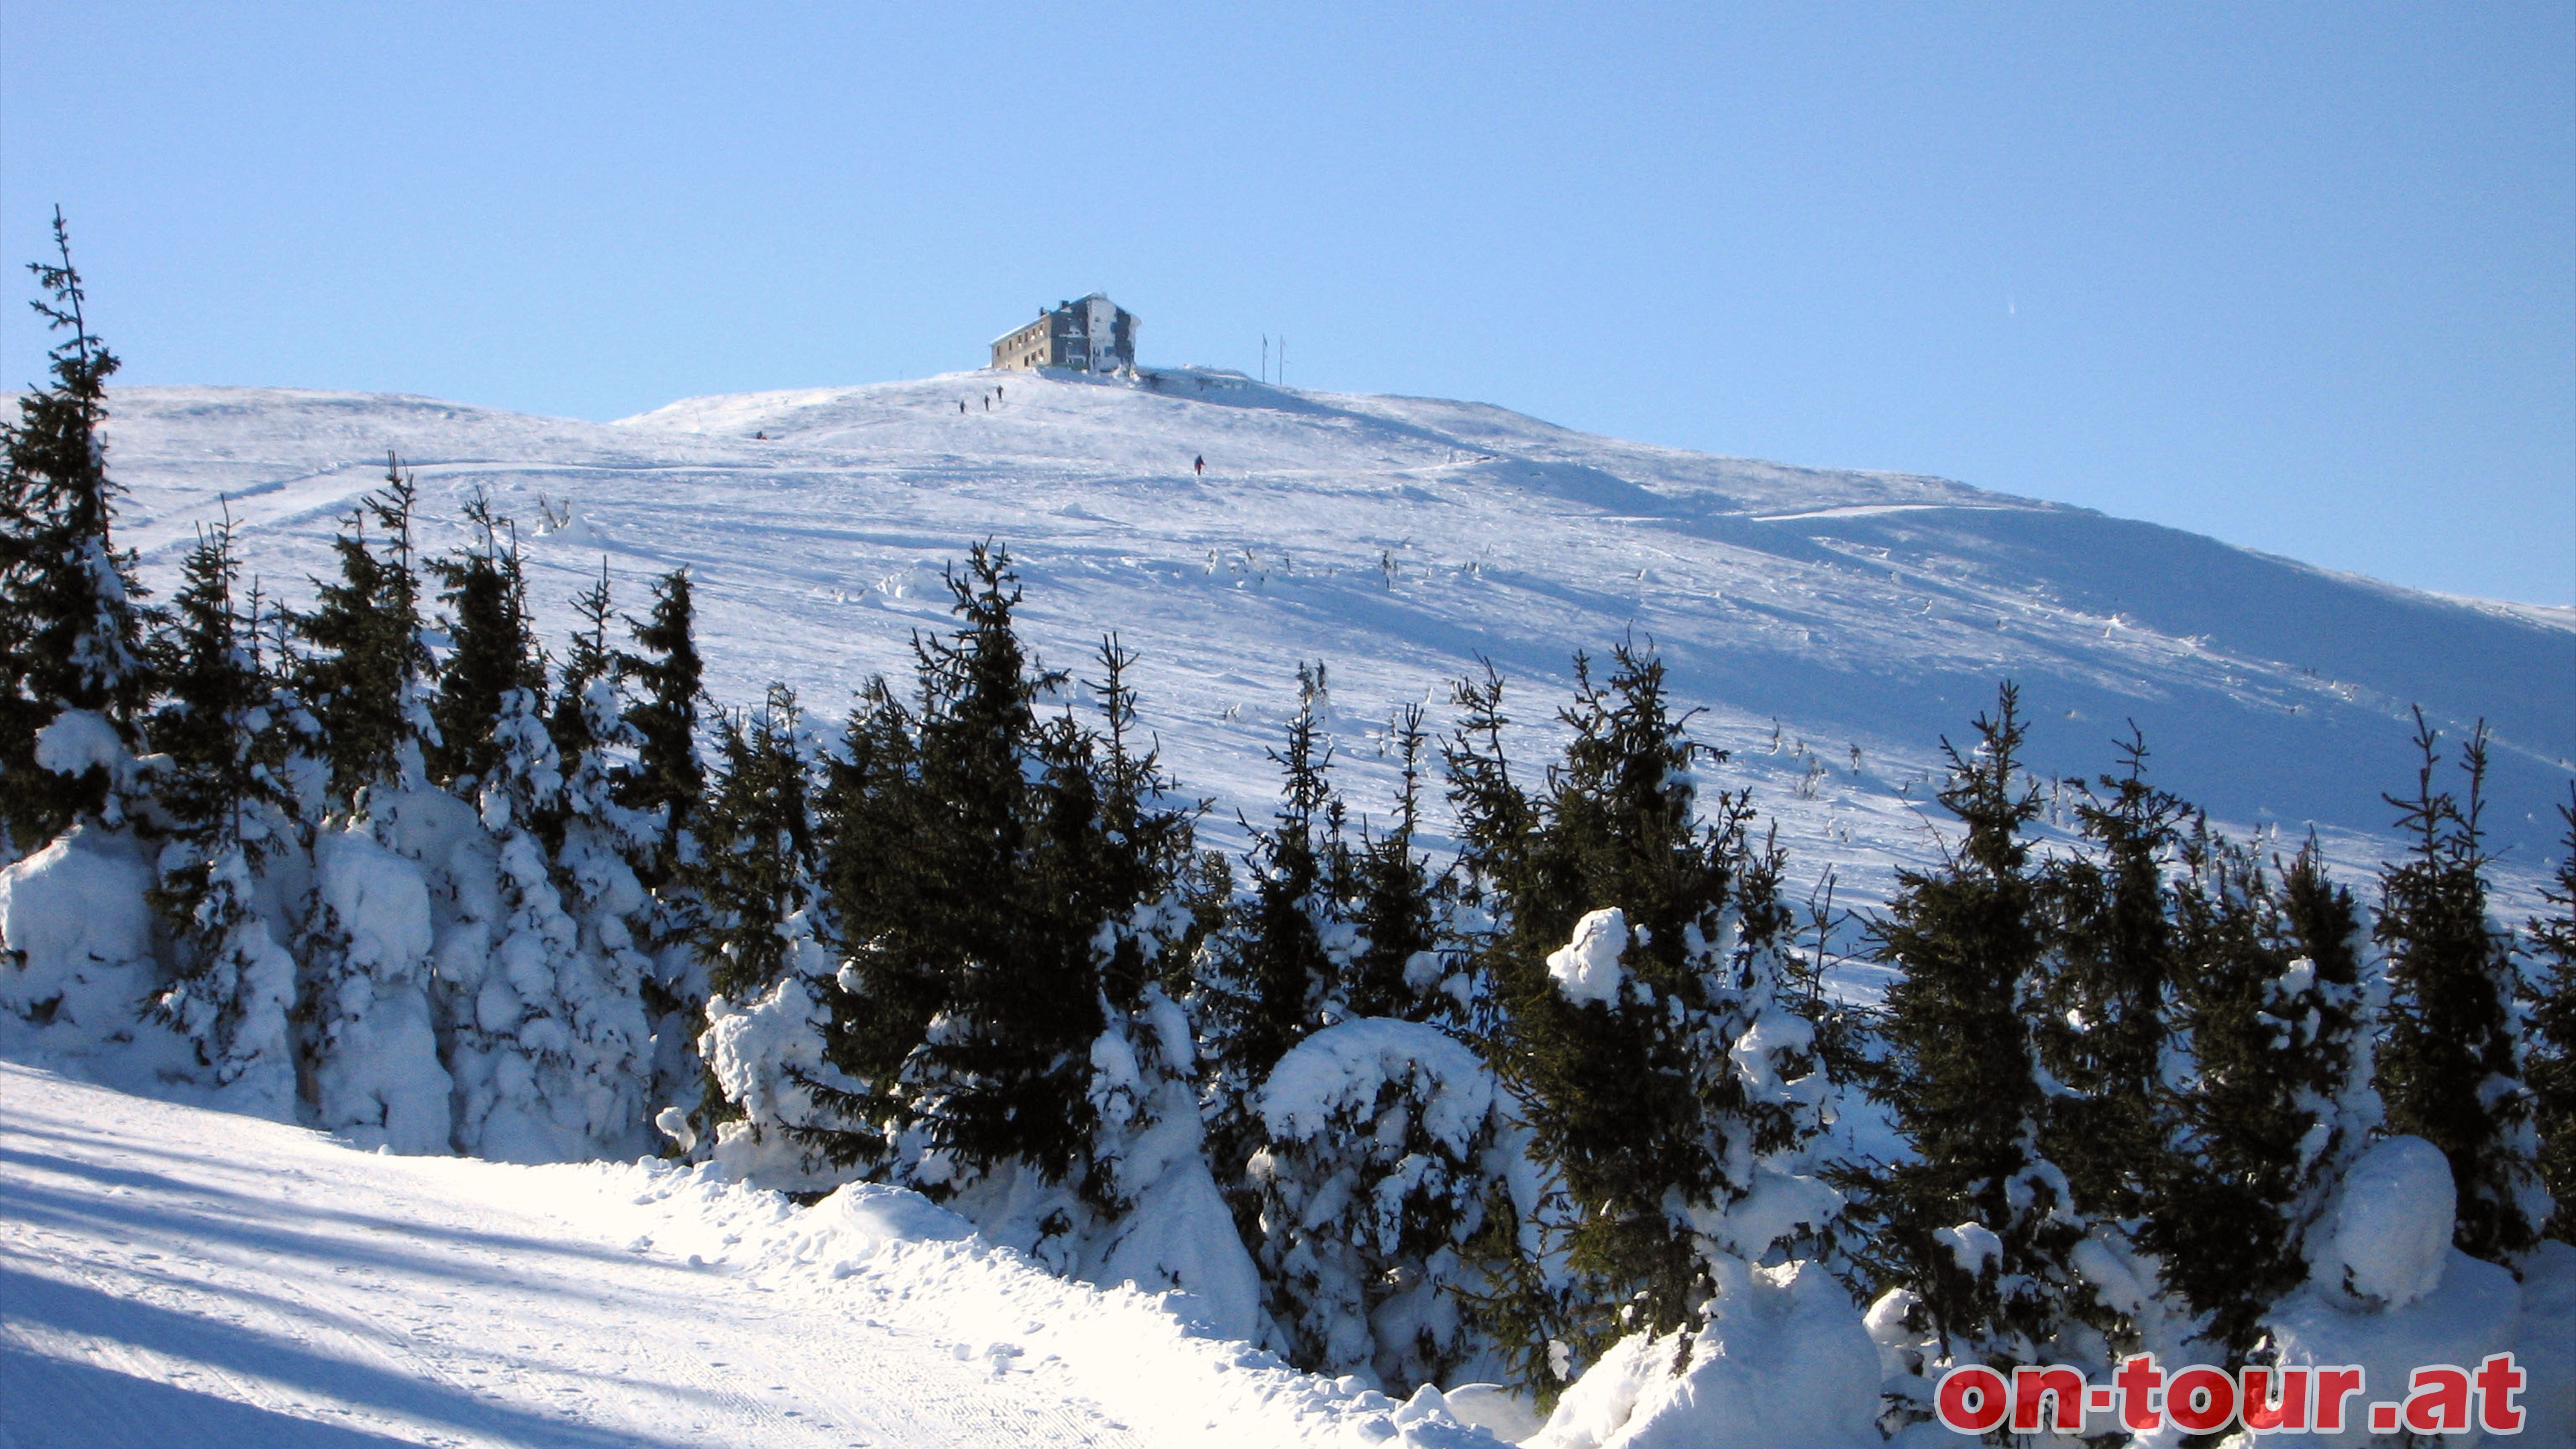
<point>1089,334</point>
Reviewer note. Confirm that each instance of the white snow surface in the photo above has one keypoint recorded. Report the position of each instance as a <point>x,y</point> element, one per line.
<point>1833,625</point>
<point>2389,1234</point>
<point>1343,1068</point>
<point>171,1276</point>
<point>1586,968</point>
<point>1784,1364</point>
<point>76,741</point>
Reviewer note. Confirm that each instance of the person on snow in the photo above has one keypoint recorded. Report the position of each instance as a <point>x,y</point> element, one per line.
<point>1199,465</point>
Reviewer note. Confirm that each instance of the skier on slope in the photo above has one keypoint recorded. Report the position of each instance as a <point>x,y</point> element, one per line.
<point>1199,465</point>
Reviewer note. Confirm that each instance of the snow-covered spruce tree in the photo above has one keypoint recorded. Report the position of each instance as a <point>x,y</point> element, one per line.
<point>493,651</point>
<point>367,1055</point>
<point>977,1010</point>
<point>1663,1086</point>
<point>365,668</point>
<point>2553,1027</point>
<point>1371,1182</point>
<point>1398,968</point>
<point>74,676</point>
<point>974,875</point>
<point>1976,1223</point>
<point>2100,1030</point>
<point>2274,1098</point>
<point>2450,1068</point>
<point>224,735</point>
<point>600,845</point>
<point>666,674</point>
<point>543,1032</point>
<point>1134,867</point>
<point>662,786</point>
<point>1362,1156</point>
<point>1269,978</point>
<point>1010,892</point>
<point>770,1109</point>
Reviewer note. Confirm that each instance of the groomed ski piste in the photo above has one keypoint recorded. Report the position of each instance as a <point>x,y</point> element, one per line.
<point>172,1275</point>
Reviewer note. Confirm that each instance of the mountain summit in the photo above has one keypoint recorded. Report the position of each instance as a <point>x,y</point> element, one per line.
<point>1834,625</point>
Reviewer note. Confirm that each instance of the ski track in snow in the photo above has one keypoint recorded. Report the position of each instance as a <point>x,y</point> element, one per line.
<point>174,1276</point>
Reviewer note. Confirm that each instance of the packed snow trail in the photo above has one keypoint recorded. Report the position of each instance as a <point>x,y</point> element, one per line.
<point>174,1276</point>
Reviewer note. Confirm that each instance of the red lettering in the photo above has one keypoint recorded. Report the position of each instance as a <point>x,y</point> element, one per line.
<point>2138,1381</point>
<point>1972,1399</point>
<point>2437,1400</point>
<point>2334,1385</point>
<point>2265,1414</point>
<point>2498,1381</point>
<point>2200,1399</point>
<point>2032,1386</point>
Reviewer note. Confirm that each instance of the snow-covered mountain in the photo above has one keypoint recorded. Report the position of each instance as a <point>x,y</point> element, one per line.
<point>1834,625</point>
<point>169,1273</point>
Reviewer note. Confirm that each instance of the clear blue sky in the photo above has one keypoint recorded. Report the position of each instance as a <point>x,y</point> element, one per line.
<point>2302,277</point>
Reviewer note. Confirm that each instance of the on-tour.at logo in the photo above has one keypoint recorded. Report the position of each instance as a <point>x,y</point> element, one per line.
<point>2200,1399</point>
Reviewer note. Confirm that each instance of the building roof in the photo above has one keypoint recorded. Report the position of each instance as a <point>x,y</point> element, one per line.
<point>1045,312</point>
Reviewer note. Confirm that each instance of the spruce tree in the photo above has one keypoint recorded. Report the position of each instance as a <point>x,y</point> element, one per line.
<point>599,845</point>
<point>1630,993</point>
<point>224,736</point>
<point>978,1005</point>
<point>1270,977</point>
<point>71,626</point>
<point>366,1047</point>
<point>2271,1015</point>
<point>587,717</point>
<point>758,866</point>
<point>2105,982</point>
<point>1398,968</point>
<point>493,649</point>
<point>1007,887</point>
<point>366,667</point>
<point>2553,1028</point>
<point>1352,1146</point>
<point>775,1104</point>
<point>1129,869</point>
<point>545,1028</point>
<point>931,823</point>
<point>2451,1069</point>
<point>1977,1222</point>
<point>1141,854</point>
<point>667,776</point>
<point>661,787</point>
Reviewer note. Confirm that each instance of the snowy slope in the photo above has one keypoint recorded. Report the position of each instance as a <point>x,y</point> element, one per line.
<point>1835,625</point>
<point>173,1276</point>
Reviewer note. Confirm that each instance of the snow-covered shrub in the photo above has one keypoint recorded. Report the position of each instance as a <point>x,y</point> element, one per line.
<point>234,1005</point>
<point>545,1032</point>
<point>1369,1189</point>
<point>366,1038</point>
<point>1780,1361</point>
<point>766,1059</point>
<point>77,938</point>
<point>2388,1291</point>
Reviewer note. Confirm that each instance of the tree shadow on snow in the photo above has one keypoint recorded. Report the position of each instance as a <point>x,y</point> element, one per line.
<point>90,1408</point>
